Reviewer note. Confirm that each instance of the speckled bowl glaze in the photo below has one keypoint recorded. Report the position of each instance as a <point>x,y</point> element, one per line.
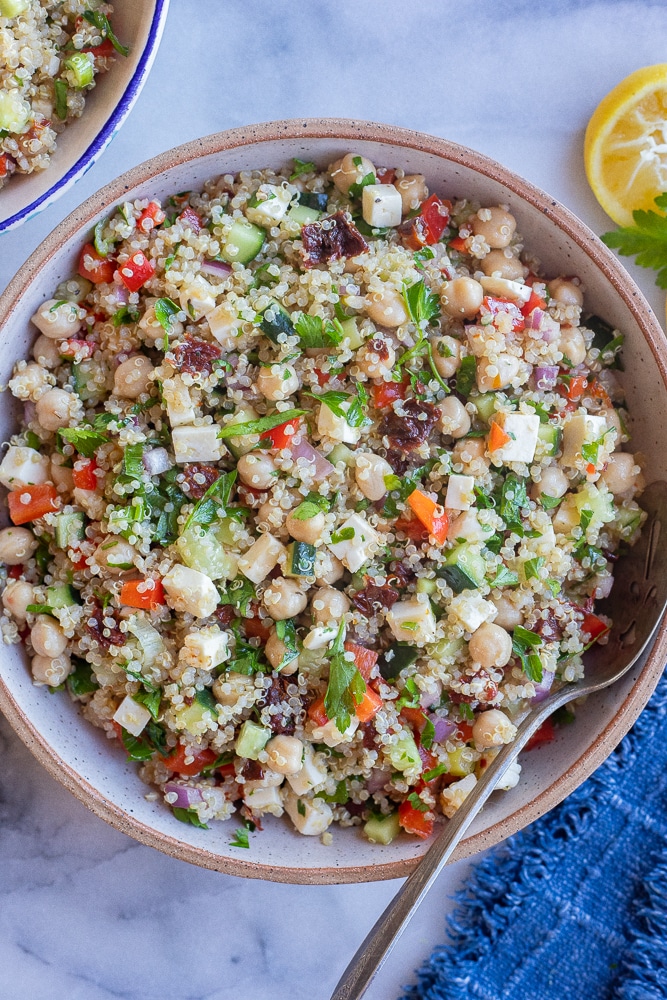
<point>91,767</point>
<point>139,24</point>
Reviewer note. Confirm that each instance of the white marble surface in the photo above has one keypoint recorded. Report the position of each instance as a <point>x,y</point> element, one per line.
<point>86,913</point>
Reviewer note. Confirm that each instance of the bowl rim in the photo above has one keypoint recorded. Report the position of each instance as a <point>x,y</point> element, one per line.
<point>395,136</point>
<point>111,126</point>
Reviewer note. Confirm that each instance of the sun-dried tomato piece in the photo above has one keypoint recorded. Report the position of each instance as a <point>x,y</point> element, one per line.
<point>276,694</point>
<point>371,597</point>
<point>412,427</point>
<point>251,770</point>
<point>225,614</point>
<point>106,635</point>
<point>331,239</point>
<point>549,628</point>
<point>192,484</point>
<point>195,357</point>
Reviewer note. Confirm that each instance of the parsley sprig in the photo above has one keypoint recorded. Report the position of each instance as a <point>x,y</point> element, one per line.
<point>313,332</point>
<point>646,241</point>
<point>524,645</point>
<point>346,687</point>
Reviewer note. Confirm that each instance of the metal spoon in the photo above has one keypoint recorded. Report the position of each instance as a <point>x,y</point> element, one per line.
<point>636,605</point>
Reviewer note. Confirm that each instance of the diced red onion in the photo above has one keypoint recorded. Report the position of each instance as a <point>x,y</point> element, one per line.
<point>603,588</point>
<point>186,796</point>
<point>156,461</point>
<point>546,377</point>
<point>534,320</point>
<point>443,728</point>
<point>377,779</point>
<point>542,689</point>
<point>431,698</point>
<point>217,268</point>
<point>29,411</point>
<point>549,329</point>
<point>303,449</point>
<point>117,296</point>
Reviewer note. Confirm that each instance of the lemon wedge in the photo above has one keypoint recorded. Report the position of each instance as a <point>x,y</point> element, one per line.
<point>625,149</point>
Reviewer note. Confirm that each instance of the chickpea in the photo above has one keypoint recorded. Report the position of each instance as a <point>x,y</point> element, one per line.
<point>446,355</point>
<point>386,307</point>
<point>328,568</point>
<point>329,605</point>
<point>16,545</point>
<point>257,470</point>
<point>462,297</point>
<point>309,530</point>
<point>151,327</point>
<point>370,472</point>
<point>277,381</point>
<point>56,408</point>
<point>508,616</point>
<point>572,344</point>
<point>47,637</point>
<point>613,421</point>
<point>619,475</point>
<point>59,320</point>
<point>454,418</point>
<point>376,357</point>
<point>271,518</point>
<point>565,292</point>
<point>228,687</point>
<point>115,555</point>
<point>492,729</point>
<point>16,597</point>
<point>350,170</point>
<point>490,645</point>
<point>566,518</point>
<point>502,264</point>
<point>285,754</point>
<point>132,378</point>
<point>284,598</point>
<point>471,453</point>
<point>495,225</point>
<point>554,483</point>
<point>497,375</point>
<point>51,670</point>
<point>61,476</point>
<point>46,352</point>
<point>413,191</point>
<point>275,650</point>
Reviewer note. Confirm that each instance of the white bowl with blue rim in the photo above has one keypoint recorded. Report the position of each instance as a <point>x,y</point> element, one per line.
<point>139,24</point>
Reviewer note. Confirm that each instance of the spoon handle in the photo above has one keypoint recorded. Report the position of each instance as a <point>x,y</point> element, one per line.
<point>382,937</point>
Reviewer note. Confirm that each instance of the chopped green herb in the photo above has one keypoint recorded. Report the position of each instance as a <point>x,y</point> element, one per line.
<point>532,567</point>
<point>188,816</point>
<point>417,803</point>
<point>39,609</point>
<point>259,426</point>
<point>102,246</point>
<point>524,644</point>
<point>240,838</point>
<point>81,680</point>
<point>165,310</point>
<point>550,502</point>
<point>313,332</point>
<point>646,241</point>
<point>346,686</point>
<point>239,593</point>
<point>61,99</point>
<point>300,167</point>
<point>355,190</point>
<point>344,535</point>
<point>213,504</point>
<point>86,440</point>
<point>422,304</point>
<point>312,505</point>
<point>427,735</point>
<point>505,578</point>
<point>435,772</point>
<point>466,377</point>
<point>101,22</point>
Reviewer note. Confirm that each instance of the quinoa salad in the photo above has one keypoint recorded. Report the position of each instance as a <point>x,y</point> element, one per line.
<point>50,53</point>
<point>318,482</point>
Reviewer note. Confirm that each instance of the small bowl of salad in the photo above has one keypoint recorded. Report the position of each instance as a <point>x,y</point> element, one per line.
<point>324,443</point>
<point>72,74</point>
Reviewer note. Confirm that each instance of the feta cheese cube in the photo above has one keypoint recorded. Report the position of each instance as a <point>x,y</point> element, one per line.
<point>460,492</point>
<point>196,444</point>
<point>189,590</point>
<point>331,734</point>
<point>311,817</point>
<point>581,429</point>
<point>24,467</point>
<point>132,716</point>
<point>523,429</point>
<point>412,621</point>
<point>205,649</point>
<point>516,291</point>
<point>470,610</point>
<point>264,800</point>
<point>310,776</point>
<point>453,796</point>
<point>269,204</point>
<point>197,298</point>
<point>330,425</point>
<point>178,401</point>
<point>357,541</point>
<point>381,205</point>
<point>261,558</point>
<point>320,636</point>
<point>225,325</point>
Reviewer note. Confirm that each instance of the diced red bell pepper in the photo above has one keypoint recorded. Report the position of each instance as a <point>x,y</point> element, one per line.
<point>364,659</point>
<point>322,377</point>
<point>14,572</point>
<point>282,435</point>
<point>30,502</point>
<point>191,219</point>
<point>136,271</point>
<point>316,713</point>
<point>147,598</point>
<point>83,474</point>
<point>176,760</point>
<point>151,217</point>
<point>593,625</point>
<point>459,244</point>
<point>545,734</point>
<point>413,821</point>
<point>385,393</point>
<point>4,165</point>
<point>369,705</point>
<point>577,386</point>
<point>412,527</point>
<point>429,761</point>
<point>226,770</point>
<point>431,514</point>
<point>435,213</point>
<point>80,563</point>
<point>94,267</point>
<point>492,306</point>
<point>103,51</point>
<point>415,718</point>
<point>534,302</point>
<point>464,730</point>
<point>598,391</point>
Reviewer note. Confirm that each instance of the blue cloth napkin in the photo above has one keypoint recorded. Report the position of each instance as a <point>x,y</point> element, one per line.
<point>575,906</point>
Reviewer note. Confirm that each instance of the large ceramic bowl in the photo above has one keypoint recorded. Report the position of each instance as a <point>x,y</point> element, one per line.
<point>139,25</point>
<point>83,760</point>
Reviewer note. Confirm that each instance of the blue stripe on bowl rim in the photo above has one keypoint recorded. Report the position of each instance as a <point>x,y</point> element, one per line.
<point>107,132</point>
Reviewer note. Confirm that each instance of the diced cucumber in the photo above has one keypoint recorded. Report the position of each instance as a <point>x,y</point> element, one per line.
<point>191,717</point>
<point>84,376</point>
<point>447,650</point>
<point>12,8</point>
<point>351,333</point>
<point>603,331</point>
<point>464,568</point>
<point>551,436</point>
<point>276,321</point>
<point>303,215</point>
<point>313,199</point>
<point>599,502</point>
<point>300,559</point>
<point>486,405</point>
<point>403,754</point>
<point>628,520</point>
<point>341,453</point>
<point>13,111</point>
<point>426,586</point>
<point>458,763</point>
<point>69,528</point>
<point>202,550</point>
<point>244,241</point>
<point>60,595</point>
<point>251,740</point>
<point>399,656</point>
<point>382,829</point>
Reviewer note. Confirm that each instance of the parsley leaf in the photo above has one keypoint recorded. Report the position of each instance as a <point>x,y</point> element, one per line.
<point>84,439</point>
<point>286,632</point>
<point>239,593</point>
<point>513,498</point>
<point>467,375</point>
<point>312,505</point>
<point>346,687</point>
<point>315,333</point>
<point>505,578</point>
<point>213,504</point>
<point>81,680</point>
<point>646,241</point>
<point>417,803</point>
<point>188,816</point>
<point>165,310</point>
<point>240,838</point>
<point>548,502</point>
<point>355,190</point>
<point>259,426</point>
<point>301,167</point>
<point>524,644</point>
<point>354,414</point>
<point>422,304</point>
